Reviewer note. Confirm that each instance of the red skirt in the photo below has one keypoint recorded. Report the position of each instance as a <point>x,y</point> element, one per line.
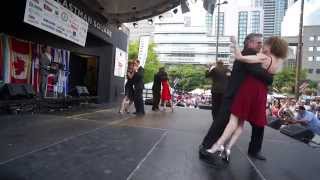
<point>250,102</point>
<point>165,95</point>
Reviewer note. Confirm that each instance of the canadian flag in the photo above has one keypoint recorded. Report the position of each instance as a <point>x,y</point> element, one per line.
<point>20,59</point>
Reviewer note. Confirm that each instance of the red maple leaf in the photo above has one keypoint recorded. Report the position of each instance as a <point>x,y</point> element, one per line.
<point>18,66</point>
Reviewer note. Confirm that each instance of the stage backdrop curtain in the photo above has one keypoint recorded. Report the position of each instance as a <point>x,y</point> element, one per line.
<point>1,59</point>
<point>20,61</point>
<point>6,58</point>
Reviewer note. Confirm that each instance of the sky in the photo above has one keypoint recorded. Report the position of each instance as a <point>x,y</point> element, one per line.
<point>197,12</point>
<point>290,25</point>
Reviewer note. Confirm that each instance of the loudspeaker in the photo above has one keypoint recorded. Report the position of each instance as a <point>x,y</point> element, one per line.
<point>298,132</point>
<point>82,91</point>
<point>184,7</point>
<point>17,91</point>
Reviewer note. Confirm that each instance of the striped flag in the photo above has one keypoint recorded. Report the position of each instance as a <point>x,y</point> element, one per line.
<point>303,86</point>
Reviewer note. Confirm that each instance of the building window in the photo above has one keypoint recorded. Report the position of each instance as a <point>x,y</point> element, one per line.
<point>291,63</point>
<point>318,71</point>
<point>255,21</point>
<point>221,24</point>
<point>310,58</point>
<point>311,38</point>
<point>318,38</point>
<point>318,58</point>
<point>310,49</point>
<point>242,26</point>
<point>318,49</point>
<point>310,71</point>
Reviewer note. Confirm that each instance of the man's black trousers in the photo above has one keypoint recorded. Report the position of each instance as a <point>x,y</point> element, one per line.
<point>138,101</point>
<point>155,100</point>
<point>216,101</point>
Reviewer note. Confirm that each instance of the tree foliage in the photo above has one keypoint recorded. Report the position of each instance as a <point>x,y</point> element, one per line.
<point>152,63</point>
<point>133,50</point>
<point>190,76</point>
<point>285,80</point>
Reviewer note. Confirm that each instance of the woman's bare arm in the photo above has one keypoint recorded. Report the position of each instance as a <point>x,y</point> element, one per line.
<point>259,58</point>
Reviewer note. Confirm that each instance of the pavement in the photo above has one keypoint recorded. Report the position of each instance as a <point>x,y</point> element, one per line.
<point>102,144</point>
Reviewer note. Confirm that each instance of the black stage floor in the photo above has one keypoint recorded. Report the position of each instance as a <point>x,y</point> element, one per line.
<point>159,146</point>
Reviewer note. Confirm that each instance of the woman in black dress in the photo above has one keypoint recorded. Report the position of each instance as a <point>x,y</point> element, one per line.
<point>128,91</point>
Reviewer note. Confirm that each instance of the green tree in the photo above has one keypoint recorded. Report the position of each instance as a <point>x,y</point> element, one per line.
<point>133,50</point>
<point>190,76</point>
<point>152,64</point>
<point>313,84</point>
<point>285,80</point>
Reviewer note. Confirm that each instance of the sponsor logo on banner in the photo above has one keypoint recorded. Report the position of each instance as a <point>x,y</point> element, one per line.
<point>46,7</point>
<point>56,19</point>
<point>102,27</point>
<point>35,6</point>
<point>64,16</point>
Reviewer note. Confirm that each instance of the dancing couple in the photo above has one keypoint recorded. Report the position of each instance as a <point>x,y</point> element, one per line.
<point>134,88</point>
<point>245,98</point>
<point>161,90</point>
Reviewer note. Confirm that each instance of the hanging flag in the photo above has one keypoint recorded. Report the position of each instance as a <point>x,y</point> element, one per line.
<point>143,50</point>
<point>66,60</point>
<point>20,58</point>
<point>35,70</point>
<point>303,86</point>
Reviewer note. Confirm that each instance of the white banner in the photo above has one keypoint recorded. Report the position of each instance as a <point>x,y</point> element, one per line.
<point>56,19</point>
<point>143,49</point>
<point>121,60</point>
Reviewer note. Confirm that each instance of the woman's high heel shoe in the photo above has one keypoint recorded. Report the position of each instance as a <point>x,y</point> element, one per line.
<point>221,149</point>
<point>216,148</point>
<point>227,153</point>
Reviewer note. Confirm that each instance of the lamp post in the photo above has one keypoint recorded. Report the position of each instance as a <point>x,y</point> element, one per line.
<point>299,57</point>
<point>218,27</point>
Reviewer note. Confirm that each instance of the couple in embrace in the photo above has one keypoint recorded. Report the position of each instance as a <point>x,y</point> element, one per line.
<point>134,88</point>
<point>161,90</point>
<point>245,98</point>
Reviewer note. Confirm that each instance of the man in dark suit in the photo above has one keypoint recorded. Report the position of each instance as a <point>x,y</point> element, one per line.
<point>156,89</point>
<point>219,76</point>
<point>252,45</point>
<point>138,85</point>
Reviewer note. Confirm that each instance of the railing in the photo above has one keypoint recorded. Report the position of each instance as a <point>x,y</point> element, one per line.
<point>147,94</point>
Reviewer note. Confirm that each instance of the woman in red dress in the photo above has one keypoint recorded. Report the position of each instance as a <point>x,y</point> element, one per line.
<point>249,102</point>
<point>166,94</point>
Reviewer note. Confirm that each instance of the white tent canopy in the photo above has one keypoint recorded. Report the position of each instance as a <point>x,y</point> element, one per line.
<point>276,95</point>
<point>197,91</point>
